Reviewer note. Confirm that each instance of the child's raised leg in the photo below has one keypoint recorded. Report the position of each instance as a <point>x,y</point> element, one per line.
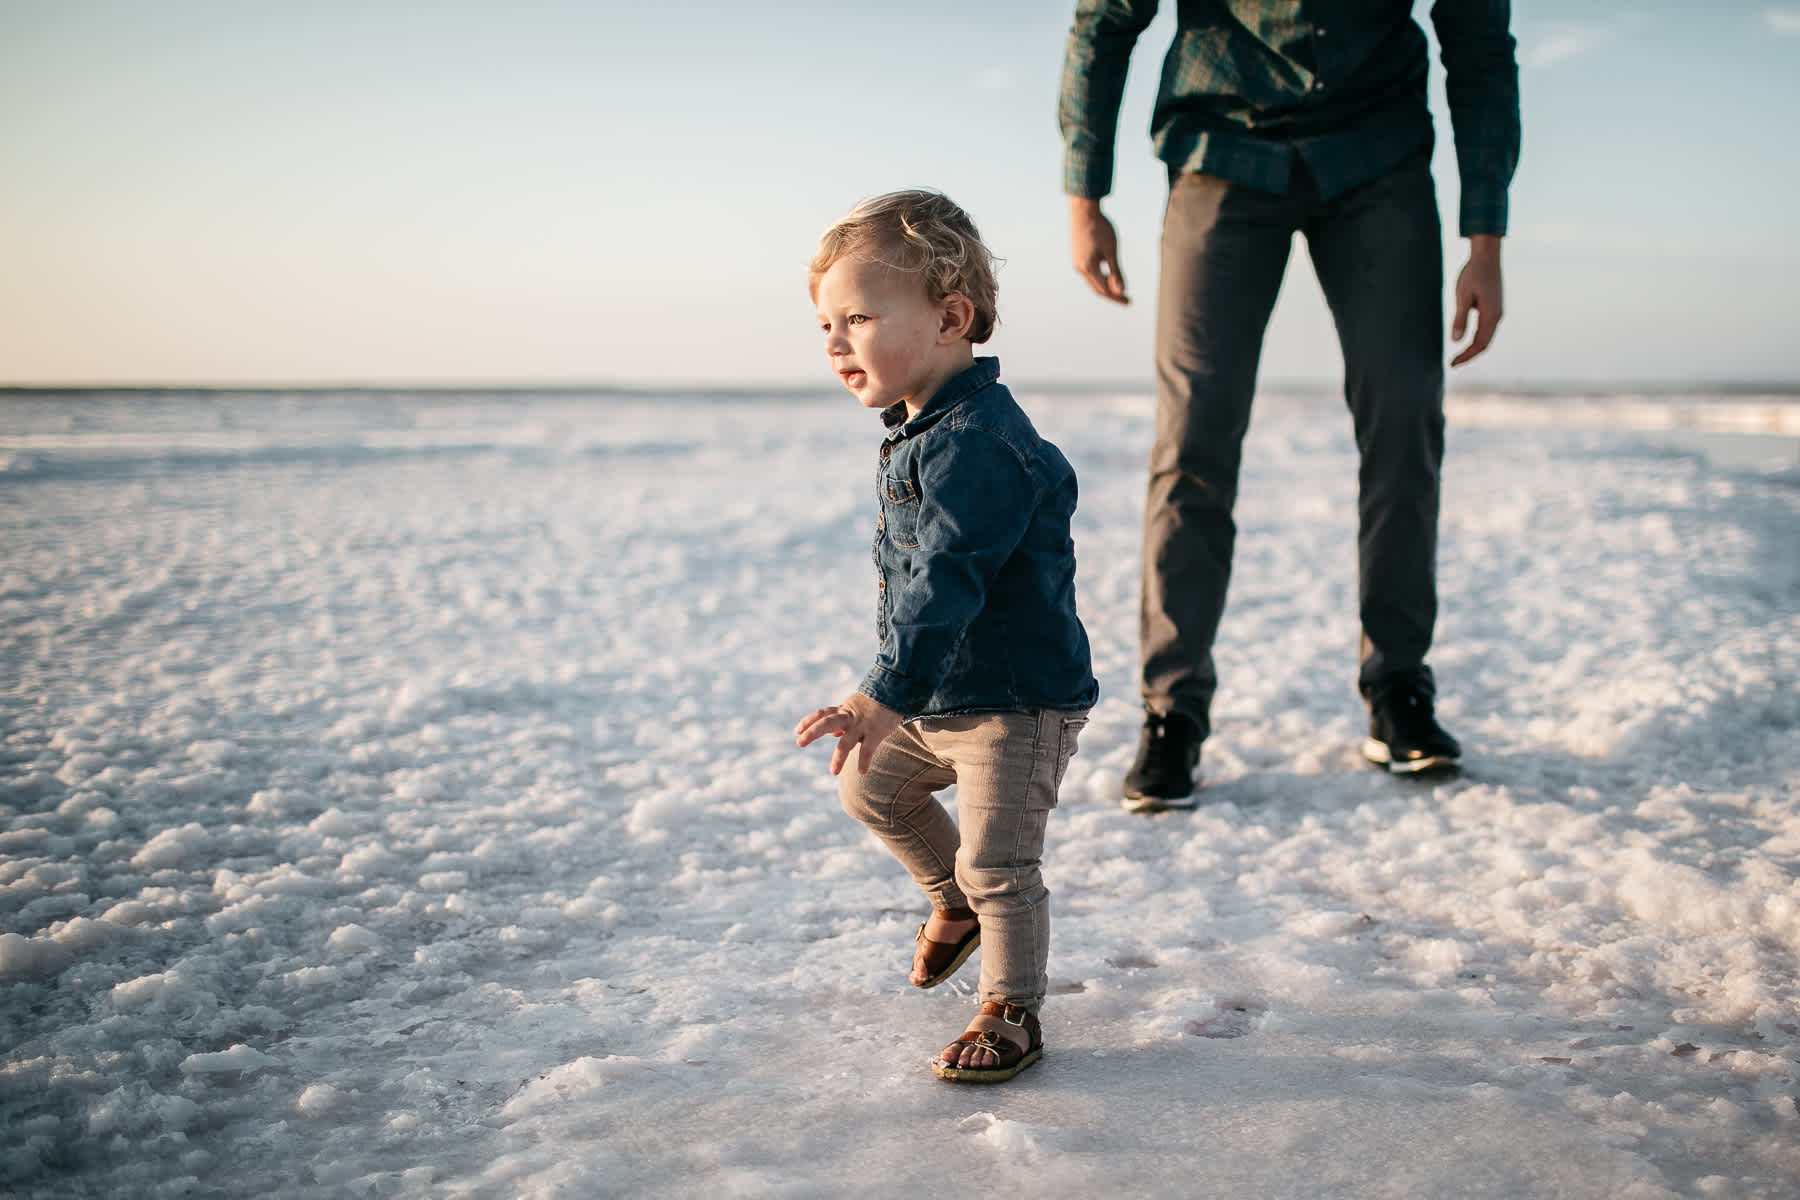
<point>897,800</point>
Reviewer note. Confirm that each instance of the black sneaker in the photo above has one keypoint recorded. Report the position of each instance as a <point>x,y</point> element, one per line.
<point>1163,775</point>
<point>1404,735</point>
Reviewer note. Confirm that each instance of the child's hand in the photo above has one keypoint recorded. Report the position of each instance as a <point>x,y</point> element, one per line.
<point>858,721</point>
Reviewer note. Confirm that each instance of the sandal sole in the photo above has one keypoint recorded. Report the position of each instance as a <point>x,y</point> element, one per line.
<point>944,1070</point>
<point>962,956</point>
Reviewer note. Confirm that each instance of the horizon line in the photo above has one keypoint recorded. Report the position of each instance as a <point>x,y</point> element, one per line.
<point>1730,387</point>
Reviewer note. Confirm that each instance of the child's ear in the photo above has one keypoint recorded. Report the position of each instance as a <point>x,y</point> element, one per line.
<point>955,317</point>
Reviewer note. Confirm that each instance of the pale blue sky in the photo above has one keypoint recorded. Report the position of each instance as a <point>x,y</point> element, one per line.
<point>242,191</point>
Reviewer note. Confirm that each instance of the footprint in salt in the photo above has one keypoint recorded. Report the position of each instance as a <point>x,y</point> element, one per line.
<point>1128,962</point>
<point>1233,1017</point>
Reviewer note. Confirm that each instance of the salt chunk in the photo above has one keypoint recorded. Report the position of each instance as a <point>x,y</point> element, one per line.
<point>314,977</point>
<point>128,912</point>
<point>354,939</point>
<point>171,847</point>
<point>238,1058</point>
<point>146,991</point>
<point>1012,1139</point>
<point>368,861</point>
<point>214,752</point>
<point>24,957</point>
<point>572,1080</point>
<point>334,822</point>
<point>83,934</point>
<point>318,1100</point>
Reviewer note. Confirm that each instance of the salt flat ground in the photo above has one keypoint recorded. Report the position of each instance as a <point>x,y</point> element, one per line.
<point>397,798</point>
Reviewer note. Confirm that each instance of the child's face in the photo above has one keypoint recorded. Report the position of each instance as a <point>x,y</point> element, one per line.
<point>886,340</point>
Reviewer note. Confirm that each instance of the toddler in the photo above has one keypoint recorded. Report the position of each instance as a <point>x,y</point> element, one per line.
<point>982,679</point>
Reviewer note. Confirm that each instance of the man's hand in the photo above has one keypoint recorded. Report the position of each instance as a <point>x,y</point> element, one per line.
<point>1478,291</point>
<point>858,721</point>
<point>1096,247</point>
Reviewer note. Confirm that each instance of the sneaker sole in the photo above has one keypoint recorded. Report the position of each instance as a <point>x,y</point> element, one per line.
<point>1156,804</point>
<point>1377,753</point>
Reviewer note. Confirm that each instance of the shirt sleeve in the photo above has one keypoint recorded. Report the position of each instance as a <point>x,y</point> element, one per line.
<point>976,502</point>
<point>1093,84</point>
<point>1481,83</point>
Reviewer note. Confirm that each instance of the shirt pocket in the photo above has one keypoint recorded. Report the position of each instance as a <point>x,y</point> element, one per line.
<point>900,511</point>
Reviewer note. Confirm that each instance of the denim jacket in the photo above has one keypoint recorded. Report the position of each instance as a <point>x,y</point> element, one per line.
<point>975,564</point>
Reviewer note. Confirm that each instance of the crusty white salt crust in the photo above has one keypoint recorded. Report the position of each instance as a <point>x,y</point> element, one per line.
<point>397,799</point>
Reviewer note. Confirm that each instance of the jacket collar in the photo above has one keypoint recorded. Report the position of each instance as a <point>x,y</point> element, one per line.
<point>960,387</point>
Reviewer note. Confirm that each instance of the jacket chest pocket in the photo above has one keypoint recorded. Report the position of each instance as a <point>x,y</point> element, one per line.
<point>900,510</point>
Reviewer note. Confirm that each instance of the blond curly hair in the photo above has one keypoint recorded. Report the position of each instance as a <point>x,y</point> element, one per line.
<point>922,233</point>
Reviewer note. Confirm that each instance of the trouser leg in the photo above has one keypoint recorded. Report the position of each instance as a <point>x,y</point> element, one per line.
<point>1224,249</point>
<point>1008,768</point>
<point>1378,251</point>
<point>897,800</point>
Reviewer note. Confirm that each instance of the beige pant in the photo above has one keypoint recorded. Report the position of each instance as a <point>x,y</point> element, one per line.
<point>1006,767</point>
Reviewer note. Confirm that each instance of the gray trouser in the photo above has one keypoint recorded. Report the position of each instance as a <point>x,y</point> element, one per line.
<point>1006,767</point>
<point>1378,254</point>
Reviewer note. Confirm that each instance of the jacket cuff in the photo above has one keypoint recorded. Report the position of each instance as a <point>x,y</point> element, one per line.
<point>887,689</point>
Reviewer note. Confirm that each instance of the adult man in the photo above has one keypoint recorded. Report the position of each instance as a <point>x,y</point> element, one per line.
<point>1276,117</point>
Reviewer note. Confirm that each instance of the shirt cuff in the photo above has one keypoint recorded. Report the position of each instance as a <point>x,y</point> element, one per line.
<point>1087,175</point>
<point>1483,210</point>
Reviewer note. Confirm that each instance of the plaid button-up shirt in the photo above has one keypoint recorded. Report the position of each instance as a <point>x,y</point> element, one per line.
<point>1250,84</point>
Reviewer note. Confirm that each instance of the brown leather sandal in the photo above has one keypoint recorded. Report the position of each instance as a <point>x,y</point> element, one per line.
<point>943,959</point>
<point>1012,1058</point>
